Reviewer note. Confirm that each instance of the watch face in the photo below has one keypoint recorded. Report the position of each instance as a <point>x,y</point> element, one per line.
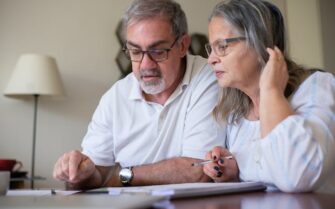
<point>125,175</point>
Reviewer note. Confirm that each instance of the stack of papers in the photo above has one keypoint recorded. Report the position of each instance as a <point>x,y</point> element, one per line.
<point>185,190</point>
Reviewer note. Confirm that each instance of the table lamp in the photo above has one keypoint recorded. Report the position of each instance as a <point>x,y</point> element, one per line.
<point>34,75</point>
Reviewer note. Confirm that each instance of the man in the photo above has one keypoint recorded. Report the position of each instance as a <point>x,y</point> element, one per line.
<point>152,125</point>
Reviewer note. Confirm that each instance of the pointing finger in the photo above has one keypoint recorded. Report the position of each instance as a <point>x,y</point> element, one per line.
<point>74,162</point>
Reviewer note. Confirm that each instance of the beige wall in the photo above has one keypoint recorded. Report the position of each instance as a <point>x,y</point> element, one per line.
<point>311,32</point>
<point>327,8</point>
<point>304,30</point>
<point>80,35</point>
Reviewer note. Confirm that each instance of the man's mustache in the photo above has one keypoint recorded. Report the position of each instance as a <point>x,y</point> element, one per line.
<point>151,72</point>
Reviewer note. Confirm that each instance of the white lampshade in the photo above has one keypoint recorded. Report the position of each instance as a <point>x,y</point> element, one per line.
<point>35,74</point>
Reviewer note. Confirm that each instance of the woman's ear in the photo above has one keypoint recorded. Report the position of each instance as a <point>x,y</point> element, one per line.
<point>185,42</point>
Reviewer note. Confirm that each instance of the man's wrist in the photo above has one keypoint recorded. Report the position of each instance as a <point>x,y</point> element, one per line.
<point>126,175</point>
<point>112,177</point>
<point>91,182</point>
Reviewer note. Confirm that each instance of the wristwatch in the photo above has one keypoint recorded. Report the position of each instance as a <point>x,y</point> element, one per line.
<point>126,175</point>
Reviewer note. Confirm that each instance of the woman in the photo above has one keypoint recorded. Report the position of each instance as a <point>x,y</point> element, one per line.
<point>279,116</point>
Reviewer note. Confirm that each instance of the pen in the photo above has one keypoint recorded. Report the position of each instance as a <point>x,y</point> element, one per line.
<point>208,161</point>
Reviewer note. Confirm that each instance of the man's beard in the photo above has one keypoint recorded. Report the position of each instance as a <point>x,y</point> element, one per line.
<point>155,86</point>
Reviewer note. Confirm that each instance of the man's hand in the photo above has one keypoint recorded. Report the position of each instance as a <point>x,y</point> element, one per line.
<point>74,167</point>
<point>221,169</point>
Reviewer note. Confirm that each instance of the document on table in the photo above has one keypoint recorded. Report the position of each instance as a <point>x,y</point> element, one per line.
<point>40,192</point>
<point>186,190</point>
<point>28,192</point>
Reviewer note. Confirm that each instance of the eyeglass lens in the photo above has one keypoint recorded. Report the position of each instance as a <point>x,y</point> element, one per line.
<point>157,55</point>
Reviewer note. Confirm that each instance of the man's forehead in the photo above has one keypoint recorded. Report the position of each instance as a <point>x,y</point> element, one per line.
<point>154,25</point>
<point>149,33</point>
<point>149,44</point>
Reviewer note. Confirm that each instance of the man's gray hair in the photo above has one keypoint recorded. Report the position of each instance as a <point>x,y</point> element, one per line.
<point>148,9</point>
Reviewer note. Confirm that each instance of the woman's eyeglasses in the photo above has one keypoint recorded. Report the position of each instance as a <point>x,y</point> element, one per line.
<point>219,46</point>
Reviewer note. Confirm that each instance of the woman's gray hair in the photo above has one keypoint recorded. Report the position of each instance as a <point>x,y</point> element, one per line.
<point>262,24</point>
<point>148,9</point>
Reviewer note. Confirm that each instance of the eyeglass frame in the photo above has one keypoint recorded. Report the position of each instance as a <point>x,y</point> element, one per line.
<point>209,48</point>
<point>148,52</point>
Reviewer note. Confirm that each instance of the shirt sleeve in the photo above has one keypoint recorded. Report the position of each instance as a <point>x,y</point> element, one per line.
<point>298,154</point>
<point>98,141</point>
<point>201,132</point>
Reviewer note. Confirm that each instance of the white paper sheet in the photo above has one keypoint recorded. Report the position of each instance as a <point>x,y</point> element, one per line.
<point>29,192</point>
<point>40,192</point>
<point>189,189</point>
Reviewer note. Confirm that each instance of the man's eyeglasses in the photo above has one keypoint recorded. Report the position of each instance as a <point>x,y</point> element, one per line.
<point>219,46</point>
<point>157,55</point>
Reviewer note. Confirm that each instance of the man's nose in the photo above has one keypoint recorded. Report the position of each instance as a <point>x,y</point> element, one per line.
<point>147,61</point>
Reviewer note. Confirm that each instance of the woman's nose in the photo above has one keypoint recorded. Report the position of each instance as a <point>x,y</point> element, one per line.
<point>212,58</point>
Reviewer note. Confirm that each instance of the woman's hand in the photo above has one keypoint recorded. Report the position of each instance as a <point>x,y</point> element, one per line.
<point>273,106</point>
<point>274,75</point>
<point>221,169</point>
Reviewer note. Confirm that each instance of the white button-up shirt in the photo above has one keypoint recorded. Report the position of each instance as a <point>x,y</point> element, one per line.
<point>126,128</point>
<point>299,153</point>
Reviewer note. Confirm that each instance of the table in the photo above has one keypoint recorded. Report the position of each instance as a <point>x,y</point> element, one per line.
<point>258,200</point>
<point>252,200</point>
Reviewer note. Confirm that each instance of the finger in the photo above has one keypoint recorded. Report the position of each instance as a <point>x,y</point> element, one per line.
<point>208,155</point>
<point>209,172</point>
<point>230,170</point>
<point>225,152</point>
<point>75,159</point>
<point>57,169</point>
<point>218,171</point>
<point>58,172</point>
<point>211,169</point>
<point>278,52</point>
<point>219,177</point>
<point>281,59</point>
<point>62,177</point>
<point>224,156</point>
<point>216,153</point>
<point>272,53</point>
<point>224,161</point>
<point>64,165</point>
<point>219,153</point>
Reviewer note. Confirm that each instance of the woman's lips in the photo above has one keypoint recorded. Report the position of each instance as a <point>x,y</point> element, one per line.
<point>218,74</point>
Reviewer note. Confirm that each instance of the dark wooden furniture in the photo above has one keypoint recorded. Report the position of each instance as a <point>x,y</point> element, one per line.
<point>258,200</point>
